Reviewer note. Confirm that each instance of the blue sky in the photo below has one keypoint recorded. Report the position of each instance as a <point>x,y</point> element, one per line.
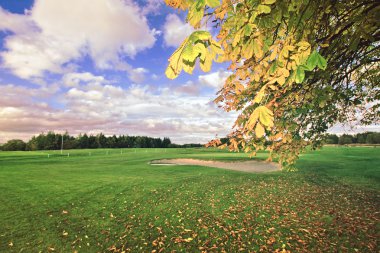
<point>98,66</point>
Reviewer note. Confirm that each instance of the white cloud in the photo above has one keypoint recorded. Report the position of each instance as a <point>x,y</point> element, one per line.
<point>137,75</point>
<point>70,29</point>
<point>214,79</point>
<point>175,30</point>
<point>183,115</point>
<point>75,79</point>
<point>15,23</point>
<point>152,7</point>
<point>353,128</point>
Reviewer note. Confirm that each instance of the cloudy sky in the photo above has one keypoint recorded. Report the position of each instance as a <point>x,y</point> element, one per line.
<point>98,66</point>
<point>90,66</point>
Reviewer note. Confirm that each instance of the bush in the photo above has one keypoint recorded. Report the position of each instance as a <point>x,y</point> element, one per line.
<point>14,145</point>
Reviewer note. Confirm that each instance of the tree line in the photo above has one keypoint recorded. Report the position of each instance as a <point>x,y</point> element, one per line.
<point>53,141</point>
<point>362,138</point>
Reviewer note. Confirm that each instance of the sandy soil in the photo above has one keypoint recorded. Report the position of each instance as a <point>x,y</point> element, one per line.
<point>246,166</point>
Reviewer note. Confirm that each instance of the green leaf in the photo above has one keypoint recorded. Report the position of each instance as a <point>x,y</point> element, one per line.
<point>312,60</point>
<point>321,62</point>
<point>200,35</point>
<point>189,53</point>
<point>201,50</point>
<point>213,3</point>
<point>263,9</point>
<point>300,75</point>
<point>315,59</point>
<point>273,68</point>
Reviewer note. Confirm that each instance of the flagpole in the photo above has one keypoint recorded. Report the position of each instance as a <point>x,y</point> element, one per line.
<point>62,145</point>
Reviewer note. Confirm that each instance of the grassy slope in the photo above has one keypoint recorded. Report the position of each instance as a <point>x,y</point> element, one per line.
<point>118,202</point>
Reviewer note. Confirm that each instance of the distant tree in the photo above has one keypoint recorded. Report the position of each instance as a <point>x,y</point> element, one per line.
<point>373,138</point>
<point>52,141</point>
<point>83,141</point>
<point>101,140</point>
<point>32,144</point>
<point>14,145</point>
<point>345,139</point>
<point>361,138</point>
<point>92,143</point>
<point>332,139</point>
<point>41,141</point>
<point>166,142</point>
<point>113,142</point>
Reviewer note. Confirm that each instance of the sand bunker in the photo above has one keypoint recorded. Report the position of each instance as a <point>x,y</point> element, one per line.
<point>246,166</point>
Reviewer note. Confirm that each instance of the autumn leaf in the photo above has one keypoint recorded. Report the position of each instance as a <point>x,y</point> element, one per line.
<point>188,239</point>
<point>259,130</point>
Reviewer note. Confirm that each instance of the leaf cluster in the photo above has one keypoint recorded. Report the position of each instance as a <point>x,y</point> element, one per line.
<point>311,64</point>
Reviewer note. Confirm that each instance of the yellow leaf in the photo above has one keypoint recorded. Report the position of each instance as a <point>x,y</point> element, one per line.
<point>216,47</point>
<point>188,68</point>
<point>263,9</point>
<point>281,80</point>
<point>236,39</point>
<point>266,116</point>
<point>285,52</point>
<point>170,73</point>
<point>303,44</point>
<point>260,95</point>
<point>195,14</point>
<point>175,62</point>
<point>256,77</point>
<point>253,119</point>
<point>173,3</point>
<point>188,239</point>
<point>269,2</point>
<point>283,72</point>
<point>295,58</point>
<point>257,48</point>
<point>290,48</point>
<point>273,55</point>
<point>221,58</point>
<point>259,130</point>
<point>206,64</point>
<point>247,50</point>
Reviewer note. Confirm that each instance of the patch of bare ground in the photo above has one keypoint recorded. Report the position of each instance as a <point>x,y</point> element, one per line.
<point>246,166</point>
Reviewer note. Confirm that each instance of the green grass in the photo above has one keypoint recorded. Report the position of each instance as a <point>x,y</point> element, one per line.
<point>118,202</point>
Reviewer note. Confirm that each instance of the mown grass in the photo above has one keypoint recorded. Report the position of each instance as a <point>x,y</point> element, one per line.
<point>113,200</point>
